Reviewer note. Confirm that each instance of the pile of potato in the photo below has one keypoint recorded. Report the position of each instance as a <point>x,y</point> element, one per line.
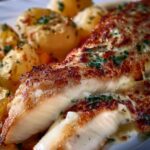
<point>44,35</point>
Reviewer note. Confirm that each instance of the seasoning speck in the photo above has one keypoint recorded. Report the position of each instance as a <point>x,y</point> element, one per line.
<point>61,6</point>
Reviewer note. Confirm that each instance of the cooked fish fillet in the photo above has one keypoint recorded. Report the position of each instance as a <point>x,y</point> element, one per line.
<point>112,59</point>
<point>43,105</point>
<point>86,126</point>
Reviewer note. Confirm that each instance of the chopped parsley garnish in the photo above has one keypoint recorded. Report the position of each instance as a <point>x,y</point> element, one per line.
<point>93,100</point>
<point>110,140</point>
<point>4,27</point>
<point>21,43</point>
<point>121,6</point>
<point>61,6</point>
<point>1,64</point>
<point>115,33</point>
<point>43,20</point>
<point>142,46</point>
<point>117,60</point>
<point>143,8</point>
<point>74,101</point>
<point>46,19</point>
<point>73,24</point>
<point>8,93</point>
<point>7,48</point>
<point>97,63</point>
<point>90,19</point>
<point>146,117</point>
<point>94,59</point>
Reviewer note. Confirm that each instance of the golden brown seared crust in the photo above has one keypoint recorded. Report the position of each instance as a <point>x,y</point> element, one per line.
<point>141,96</point>
<point>137,100</point>
<point>90,106</point>
<point>121,29</point>
<point>55,79</point>
<point>104,55</point>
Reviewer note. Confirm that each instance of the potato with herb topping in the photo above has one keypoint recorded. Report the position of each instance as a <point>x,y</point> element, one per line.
<point>29,18</point>
<point>18,61</point>
<point>69,8</point>
<point>8,39</point>
<point>87,19</point>
<point>51,32</point>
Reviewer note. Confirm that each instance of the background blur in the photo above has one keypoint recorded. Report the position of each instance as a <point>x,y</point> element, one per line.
<point>10,9</point>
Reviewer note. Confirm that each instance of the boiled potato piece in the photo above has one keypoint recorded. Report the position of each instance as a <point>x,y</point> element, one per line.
<point>52,32</point>
<point>68,7</point>
<point>18,61</point>
<point>87,19</point>
<point>8,39</point>
<point>29,18</point>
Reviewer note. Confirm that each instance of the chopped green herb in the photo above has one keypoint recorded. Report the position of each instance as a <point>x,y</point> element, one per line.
<point>146,117</point>
<point>43,20</point>
<point>18,62</point>
<point>141,47</point>
<point>7,48</point>
<point>29,9</point>
<point>97,63</point>
<point>99,97</point>
<point>1,64</point>
<point>121,6</point>
<point>110,140</point>
<point>8,93</point>
<point>73,101</point>
<point>73,24</point>
<point>147,42</point>
<point>61,113</point>
<point>61,6</point>
<point>94,59</point>
<point>94,100</point>
<point>4,27</point>
<point>115,33</point>
<point>117,60</point>
<point>46,19</point>
<point>89,21</point>
<point>143,8</point>
<point>21,43</point>
<point>91,17</point>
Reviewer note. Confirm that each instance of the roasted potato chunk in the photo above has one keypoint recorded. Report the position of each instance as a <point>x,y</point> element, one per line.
<point>18,61</point>
<point>8,39</point>
<point>29,18</point>
<point>51,32</point>
<point>68,7</point>
<point>87,19</point>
